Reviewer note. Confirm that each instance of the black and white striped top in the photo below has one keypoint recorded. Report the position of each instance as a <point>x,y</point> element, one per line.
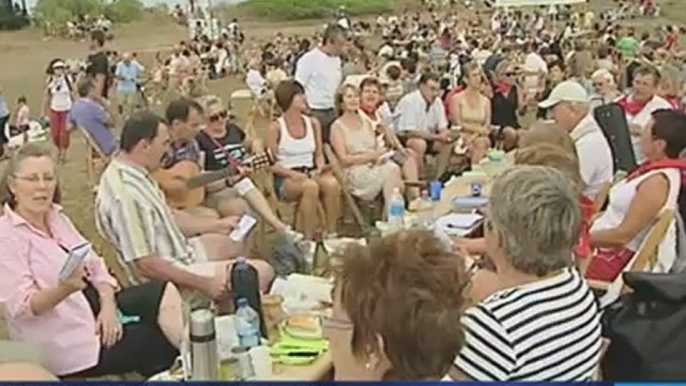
<point>548,330</point>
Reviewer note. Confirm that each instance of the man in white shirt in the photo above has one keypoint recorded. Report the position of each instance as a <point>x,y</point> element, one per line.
<point>641,103</point>
<point>571,111</point>
<point>534,62</point>
<point>535,68</point>
<point>421,117</point>
<point>320,73</point>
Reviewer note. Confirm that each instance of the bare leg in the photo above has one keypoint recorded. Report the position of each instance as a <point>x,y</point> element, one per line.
<point>232,207</point>
<point>445,151</point>
<point>170,316</point>
<point>306,191</point>
<point>411,173</point>
<point>479,149</point>
<point>331,197</point>
<point>201,211</point>
<point>219,247</point>
<point>510,138</point>
<point>418,147</point>
<point>260,205</point>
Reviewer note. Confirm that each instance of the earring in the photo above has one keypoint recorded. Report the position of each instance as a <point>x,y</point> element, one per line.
<point>368,366</point>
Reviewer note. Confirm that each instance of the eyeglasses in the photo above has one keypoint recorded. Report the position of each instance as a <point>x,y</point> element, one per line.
<point>35,178</point>
<point>329,323</point>
<point>218,116</point>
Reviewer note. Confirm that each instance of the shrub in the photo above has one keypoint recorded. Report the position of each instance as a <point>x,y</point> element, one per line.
<point>311,9</point>
<point>124,11</point>
<point>61,11</point>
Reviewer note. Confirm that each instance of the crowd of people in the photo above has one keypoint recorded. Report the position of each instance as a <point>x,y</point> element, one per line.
<point>442,89</point>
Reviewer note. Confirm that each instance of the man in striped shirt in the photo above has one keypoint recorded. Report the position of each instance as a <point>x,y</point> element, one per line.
<point>152,241</point>
<point>543,324</point>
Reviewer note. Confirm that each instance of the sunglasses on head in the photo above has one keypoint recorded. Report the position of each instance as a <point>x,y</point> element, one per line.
<point>218,116</point>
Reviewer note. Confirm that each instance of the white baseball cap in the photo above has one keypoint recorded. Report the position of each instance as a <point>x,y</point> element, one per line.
<point>567,91</point>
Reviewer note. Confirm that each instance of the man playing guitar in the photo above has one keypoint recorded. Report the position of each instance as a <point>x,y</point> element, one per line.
<point>224,198</point>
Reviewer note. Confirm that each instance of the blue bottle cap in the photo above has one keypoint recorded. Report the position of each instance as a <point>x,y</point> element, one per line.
<point>241,260</point>
<point>242,302</point>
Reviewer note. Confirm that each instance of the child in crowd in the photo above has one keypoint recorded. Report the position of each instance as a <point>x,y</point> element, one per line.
<point>22,115</point>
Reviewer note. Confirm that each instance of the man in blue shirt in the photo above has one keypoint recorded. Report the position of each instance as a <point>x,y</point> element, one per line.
<point>127,74</point>
<point>88,114</point>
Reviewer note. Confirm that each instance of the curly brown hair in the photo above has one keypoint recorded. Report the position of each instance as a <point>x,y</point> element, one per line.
<point>407,289</point>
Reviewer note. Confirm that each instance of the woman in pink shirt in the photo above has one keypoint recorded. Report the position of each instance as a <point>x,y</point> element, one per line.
<point>77,322</point>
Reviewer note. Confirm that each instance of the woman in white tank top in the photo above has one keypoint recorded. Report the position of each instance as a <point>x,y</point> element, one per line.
<point>637,201</point>
<point>300,173</point>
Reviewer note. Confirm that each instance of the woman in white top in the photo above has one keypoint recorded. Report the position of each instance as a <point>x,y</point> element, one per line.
<point>58,101</point>
<point>300,173</point>
<point>369,170</point>
<point>636,202</point>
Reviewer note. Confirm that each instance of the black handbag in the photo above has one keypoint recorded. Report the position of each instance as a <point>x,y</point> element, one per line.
<point>647,330</point>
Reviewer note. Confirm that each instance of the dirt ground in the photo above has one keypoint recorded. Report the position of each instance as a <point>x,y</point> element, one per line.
<point>25,55</point>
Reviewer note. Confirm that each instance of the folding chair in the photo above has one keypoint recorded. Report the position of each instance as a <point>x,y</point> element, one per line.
<point>95,158</point>
<point>646,257</point>
<point>349,199</point>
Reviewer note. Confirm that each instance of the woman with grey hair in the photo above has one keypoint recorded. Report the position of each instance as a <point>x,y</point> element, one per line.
<point>604,88</point>
<point>543,325</point>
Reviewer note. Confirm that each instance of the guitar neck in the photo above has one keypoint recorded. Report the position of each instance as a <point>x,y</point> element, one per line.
<point>255,162</point>
<point>210,177</point>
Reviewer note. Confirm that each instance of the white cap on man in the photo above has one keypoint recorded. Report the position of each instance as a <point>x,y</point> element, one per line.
<point>567,91</point>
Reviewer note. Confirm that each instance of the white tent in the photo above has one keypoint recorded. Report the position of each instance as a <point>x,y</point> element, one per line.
<point>528,3</point>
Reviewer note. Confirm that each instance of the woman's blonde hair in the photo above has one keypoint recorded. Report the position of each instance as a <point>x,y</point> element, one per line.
<point>209,100</point>
<point>545,133</point>
<point>29,150</point>
<point>554,156</point>
<point>340,93</point>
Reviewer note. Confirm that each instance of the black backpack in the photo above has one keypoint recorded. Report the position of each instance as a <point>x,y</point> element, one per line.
<point>646,329</point>
<point>612,121</point>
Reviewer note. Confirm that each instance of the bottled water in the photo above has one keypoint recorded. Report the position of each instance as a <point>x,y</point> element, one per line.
<point>396,211</point>
<point>247,324</point>
<point>425,209</point>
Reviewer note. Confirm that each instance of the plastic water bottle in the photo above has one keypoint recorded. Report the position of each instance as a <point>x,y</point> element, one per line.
<point>396,211</point>
<point>426,215</point>
<point>245,284</point>
<point>247,324</point>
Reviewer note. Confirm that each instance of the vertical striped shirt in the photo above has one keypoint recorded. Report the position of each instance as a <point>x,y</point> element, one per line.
<point>132,215</point>
<point>548,330</point>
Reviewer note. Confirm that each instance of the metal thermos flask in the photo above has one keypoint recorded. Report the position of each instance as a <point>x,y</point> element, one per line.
<point>203,346</point>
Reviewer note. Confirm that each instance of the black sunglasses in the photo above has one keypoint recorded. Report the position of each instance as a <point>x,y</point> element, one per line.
<point>218,116</point>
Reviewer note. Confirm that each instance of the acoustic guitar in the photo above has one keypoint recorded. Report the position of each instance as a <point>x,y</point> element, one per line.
<point>189,171</point>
